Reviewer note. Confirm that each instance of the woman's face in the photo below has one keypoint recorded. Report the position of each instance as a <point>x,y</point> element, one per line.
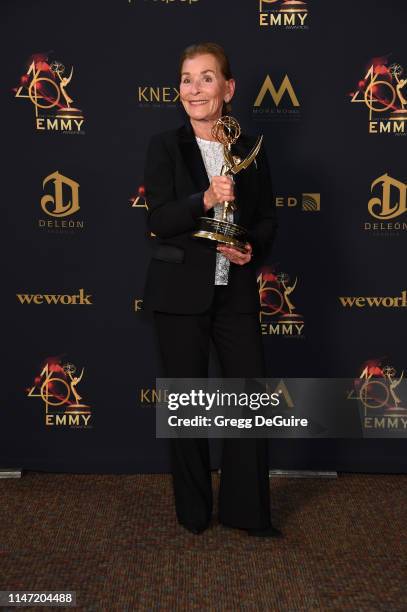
<point>203,87</point>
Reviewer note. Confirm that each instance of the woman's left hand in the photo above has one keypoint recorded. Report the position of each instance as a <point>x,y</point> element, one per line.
<point>236,256</point>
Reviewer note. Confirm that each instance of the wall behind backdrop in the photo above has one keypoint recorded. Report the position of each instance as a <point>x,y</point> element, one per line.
<point>85,85</point>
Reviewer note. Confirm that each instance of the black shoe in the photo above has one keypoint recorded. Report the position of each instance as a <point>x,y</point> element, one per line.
<point>194,530</point>
<point>268,532</point>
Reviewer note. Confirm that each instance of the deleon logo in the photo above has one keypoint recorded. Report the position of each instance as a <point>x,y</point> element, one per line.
<point>80,298</point>
<point>157,96</point>
<point>45,85</point>
<point>384,93</point>
<point>309,202</point>
<point>280,104</point>
<point>62,202</point>
<point>388,202</point>
<point>379,391</point>
<point>57,387</point>
<point>290,14</point>
<point>277,310</point>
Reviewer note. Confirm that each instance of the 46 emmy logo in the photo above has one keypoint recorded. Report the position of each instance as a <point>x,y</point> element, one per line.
<point>45,85</point>
<point>383,90</point>
<point>381,393</point>
<point>277,310</point>
<point>57,387</point>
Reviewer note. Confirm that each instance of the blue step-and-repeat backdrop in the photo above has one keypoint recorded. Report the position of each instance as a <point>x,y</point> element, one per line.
<point>85,85</point>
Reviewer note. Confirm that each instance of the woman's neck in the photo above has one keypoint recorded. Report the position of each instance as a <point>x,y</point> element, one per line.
<point>203,129</point>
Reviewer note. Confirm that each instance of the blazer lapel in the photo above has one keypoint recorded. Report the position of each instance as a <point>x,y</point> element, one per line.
<point>192,157</point>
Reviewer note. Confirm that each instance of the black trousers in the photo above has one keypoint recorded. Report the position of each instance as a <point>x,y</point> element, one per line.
<point>184,341</point>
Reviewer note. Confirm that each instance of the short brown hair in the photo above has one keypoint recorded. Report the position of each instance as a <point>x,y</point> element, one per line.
<point>219,53</point>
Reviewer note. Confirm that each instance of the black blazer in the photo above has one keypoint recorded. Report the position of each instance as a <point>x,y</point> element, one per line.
<point>181,273</point>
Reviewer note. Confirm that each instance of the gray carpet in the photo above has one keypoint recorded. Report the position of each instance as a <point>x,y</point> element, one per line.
<point>116,542</point>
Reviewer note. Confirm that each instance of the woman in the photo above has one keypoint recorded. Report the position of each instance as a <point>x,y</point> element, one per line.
<point>201,291</point>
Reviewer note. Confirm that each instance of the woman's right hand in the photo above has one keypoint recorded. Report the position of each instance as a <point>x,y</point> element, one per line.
<point>220,190</point>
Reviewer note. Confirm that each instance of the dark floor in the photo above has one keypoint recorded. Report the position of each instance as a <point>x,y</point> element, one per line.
<point>116,542</point>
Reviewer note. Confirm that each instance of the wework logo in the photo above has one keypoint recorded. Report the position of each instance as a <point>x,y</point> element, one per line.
<point>66,299</point>
<point>375,302</point>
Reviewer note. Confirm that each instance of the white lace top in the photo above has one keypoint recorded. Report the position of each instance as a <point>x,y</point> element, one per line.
<point>212,154</point>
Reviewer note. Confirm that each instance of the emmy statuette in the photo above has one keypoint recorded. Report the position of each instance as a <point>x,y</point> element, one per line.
<point>227,130</point>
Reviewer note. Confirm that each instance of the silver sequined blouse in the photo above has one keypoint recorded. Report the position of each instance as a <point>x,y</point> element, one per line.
<point>212,154</point>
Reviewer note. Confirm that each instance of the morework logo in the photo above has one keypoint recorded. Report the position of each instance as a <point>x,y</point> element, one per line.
<point>276,102</point>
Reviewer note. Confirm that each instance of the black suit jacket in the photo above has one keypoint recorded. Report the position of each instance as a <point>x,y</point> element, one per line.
<point>181,273</point>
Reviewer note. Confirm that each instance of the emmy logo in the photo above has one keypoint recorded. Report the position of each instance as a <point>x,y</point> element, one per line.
<point>385,209</point>
<point>60,209</point>
<point>382,90</point>
<point>380,393</point>
<point>46,92</point>
<point>289,13</point>
<point>277,310</point>
<point>57,386</point>
<point>377,389</point>
<point>275,300</point>
<point>46,85</point>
